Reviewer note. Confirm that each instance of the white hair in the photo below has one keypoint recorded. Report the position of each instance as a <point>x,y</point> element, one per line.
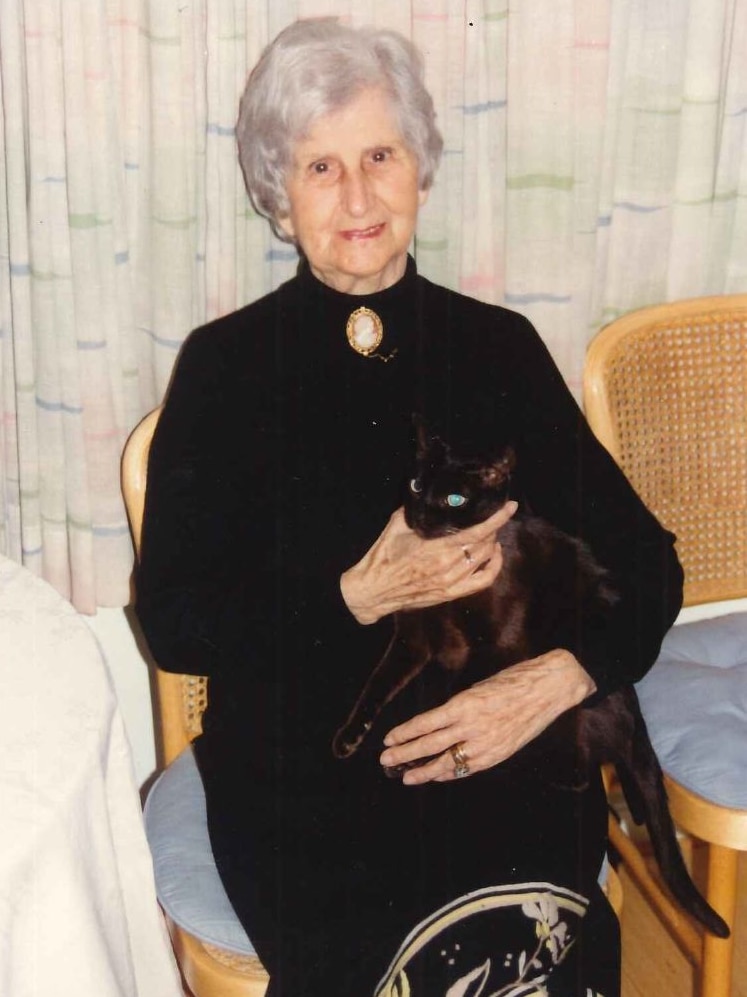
<point>312,68</point>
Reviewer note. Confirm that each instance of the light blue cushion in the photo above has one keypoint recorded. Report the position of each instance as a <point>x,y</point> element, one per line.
<point>187,881</point>
<point>694,701</point>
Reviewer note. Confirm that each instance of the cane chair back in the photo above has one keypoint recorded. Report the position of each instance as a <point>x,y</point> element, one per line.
<point>665,391</point>
<point>209,971</point>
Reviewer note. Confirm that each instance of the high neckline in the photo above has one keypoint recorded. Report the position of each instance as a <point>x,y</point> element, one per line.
<point>393,305</point>
<point>383,299</point>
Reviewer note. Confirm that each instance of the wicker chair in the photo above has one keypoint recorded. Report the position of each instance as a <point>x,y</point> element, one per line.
<point>665,390</point>
<point>209,969</point>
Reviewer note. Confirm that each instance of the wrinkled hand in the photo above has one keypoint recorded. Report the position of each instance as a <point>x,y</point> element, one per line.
<point>404,571</point>
<point>492,720</point>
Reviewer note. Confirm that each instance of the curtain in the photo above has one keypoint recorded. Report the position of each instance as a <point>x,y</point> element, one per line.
<point>595,162</point>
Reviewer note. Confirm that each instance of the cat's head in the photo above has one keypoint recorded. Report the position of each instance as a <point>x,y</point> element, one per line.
<point>448,493</point>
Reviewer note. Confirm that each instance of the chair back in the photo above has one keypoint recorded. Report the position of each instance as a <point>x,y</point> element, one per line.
<point>665,391</point>
<point>181,699</point>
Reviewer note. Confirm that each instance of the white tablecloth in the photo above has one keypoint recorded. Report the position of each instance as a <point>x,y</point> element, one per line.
<point>78,912</point>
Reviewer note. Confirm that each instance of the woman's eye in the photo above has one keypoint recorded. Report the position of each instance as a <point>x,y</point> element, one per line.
<point>455,500</point>
<point>327,170</point>
<point>415,486</point>
<point>381,155</point>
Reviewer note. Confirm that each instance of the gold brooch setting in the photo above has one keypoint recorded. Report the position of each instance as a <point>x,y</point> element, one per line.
<point>365,332</point>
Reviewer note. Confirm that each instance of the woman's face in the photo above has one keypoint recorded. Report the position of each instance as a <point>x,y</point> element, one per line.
<point>354,198</point>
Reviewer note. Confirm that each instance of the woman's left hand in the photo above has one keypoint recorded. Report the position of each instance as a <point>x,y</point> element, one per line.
<point>491,720</point>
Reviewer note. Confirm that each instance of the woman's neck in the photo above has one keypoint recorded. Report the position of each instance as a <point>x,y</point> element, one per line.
<point>359,284</point>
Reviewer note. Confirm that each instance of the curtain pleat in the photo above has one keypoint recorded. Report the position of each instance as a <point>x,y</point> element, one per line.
<point>595,161</point>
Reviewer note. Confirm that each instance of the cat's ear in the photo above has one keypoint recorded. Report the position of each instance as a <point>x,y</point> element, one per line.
<point>499,471</point>
<point>421,439</point>
<point>437,451</point>
<point>509,459</point>
<point>431,448</point>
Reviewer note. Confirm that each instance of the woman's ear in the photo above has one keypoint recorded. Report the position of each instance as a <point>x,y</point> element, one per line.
<point>286,224</point>
<point>423,196</point>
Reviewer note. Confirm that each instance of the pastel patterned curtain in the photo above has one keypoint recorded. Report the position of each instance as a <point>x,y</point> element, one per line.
<point>595,162</point>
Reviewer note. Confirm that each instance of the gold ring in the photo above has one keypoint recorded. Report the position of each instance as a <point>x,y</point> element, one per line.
<point>461,768</point>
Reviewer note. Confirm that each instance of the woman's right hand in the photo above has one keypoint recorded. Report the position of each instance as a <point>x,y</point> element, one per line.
<point>404,571</point>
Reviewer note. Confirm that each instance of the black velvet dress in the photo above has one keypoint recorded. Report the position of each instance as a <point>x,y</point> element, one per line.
<point>277,461</point>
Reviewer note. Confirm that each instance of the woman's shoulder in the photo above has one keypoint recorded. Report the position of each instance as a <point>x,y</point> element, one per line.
<point>481,321</point>
<point>246,328</point>
<point>224,353</point>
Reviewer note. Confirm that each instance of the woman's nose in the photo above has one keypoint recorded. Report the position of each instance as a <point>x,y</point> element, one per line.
<point>356,192</point>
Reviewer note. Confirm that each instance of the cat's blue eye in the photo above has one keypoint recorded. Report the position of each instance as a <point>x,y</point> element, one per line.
<point>455,500</point>
<point>415,486</point>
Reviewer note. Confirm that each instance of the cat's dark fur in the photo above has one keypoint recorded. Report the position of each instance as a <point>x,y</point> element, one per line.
<point>549,591</point>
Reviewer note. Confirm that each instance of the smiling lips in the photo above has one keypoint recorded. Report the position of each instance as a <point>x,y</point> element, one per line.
<point>356,234</point>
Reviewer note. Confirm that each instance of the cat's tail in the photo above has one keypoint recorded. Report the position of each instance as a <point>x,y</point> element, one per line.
<point>646,796</point>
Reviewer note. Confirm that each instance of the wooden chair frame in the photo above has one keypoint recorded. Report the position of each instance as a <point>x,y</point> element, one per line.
<point>698,323</point>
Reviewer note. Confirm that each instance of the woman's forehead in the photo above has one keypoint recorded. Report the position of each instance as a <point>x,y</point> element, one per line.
<point>367,120</point>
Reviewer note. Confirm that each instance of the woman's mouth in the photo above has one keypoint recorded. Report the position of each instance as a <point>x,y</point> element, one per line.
<point>359,234</point>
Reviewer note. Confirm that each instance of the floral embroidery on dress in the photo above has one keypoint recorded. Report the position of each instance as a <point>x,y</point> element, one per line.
<point>551,931</point>
<point>503,941</point>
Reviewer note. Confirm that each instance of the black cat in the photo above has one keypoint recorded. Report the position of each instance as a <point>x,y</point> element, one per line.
<point>549,590</point>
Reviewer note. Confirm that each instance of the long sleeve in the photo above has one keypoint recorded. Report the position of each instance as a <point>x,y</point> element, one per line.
<point>276,463</point>
<point>193,598</point>
<point>490,381</point>
<point>571,479</point>
<point>218,579</point>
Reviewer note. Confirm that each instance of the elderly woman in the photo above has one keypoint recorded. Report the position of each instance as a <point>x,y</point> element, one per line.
<point>275,553</point>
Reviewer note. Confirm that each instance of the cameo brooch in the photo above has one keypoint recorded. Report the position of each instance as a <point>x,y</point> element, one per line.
<point>365,333</point>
